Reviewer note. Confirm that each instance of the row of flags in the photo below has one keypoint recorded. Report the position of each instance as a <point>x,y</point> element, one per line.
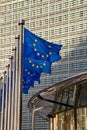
<point>37,58</point>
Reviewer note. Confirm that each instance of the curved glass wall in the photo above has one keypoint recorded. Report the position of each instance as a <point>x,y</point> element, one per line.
<point>63,105</point>
<point>66,120</point>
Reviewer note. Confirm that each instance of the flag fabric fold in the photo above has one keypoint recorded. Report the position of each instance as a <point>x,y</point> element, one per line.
<point>38,56</point>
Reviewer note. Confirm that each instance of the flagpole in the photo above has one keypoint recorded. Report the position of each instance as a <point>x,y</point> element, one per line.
<point>13,89</point>
<point>3,102</point>
<point>16,85</point>
<point>10,94</point>
<point>21,23</point>
<point>1,78</point>
<point>6,100</point>
<point>7,94</point>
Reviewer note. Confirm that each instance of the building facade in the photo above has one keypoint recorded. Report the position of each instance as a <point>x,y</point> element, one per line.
<point>59,21</point>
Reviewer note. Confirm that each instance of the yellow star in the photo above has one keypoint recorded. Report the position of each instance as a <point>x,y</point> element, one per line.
<point>44,64</point>
<point>38,54</point>
<point>35,40</point>
<point>41,66</point>
<point>35,49</point>
<point>28,72</point>
<point>25,69</point>
<point>30,61</point>
<point>34,44</point>
<point>50,53</point>
<point>37,66</point>
<point>47,55</point>
<point>33,65</point>
<point>42,56</point>
<point>49,46</point>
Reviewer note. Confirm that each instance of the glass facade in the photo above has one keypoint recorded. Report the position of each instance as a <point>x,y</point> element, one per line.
<point>64,104</point>
<point>66,122</point>
<point>59,21</point>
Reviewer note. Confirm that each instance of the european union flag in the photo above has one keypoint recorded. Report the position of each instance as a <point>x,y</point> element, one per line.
<point>38,56</point>
<point>38,48</point>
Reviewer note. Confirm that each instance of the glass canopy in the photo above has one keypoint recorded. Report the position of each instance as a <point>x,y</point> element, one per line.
<point>69,94</point>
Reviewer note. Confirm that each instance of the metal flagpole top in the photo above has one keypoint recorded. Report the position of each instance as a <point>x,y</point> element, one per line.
<point>4,72</point>
<point>13,49</point>
<point>11,57</point>
<point>1,78</point>
<point>8,65</point>
<point>21,22</point>
<point>17,37</point>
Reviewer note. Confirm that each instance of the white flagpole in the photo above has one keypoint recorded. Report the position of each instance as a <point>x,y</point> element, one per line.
<point>3,103</point>
<point>6,100</point>
<point>1,98</point>
<point>7,94</point>
<point>10,95</point>
<point>21,23</point>
<point>16,85</point>
<point>13,89</point>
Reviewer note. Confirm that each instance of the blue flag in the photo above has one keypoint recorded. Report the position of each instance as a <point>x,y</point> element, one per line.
<point>1,94</point>
<point>38,56</point>
<point>4,94</point>
<point>38,48</point>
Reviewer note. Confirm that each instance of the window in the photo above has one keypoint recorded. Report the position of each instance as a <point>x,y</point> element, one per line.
<point>72,28</point>
<point>52,7</point>
<point>51,32</point>
<point>81,1</point>
<point>60,30</point>
<point>60,18</point>
<point>81,26</point>
<point>46,21</point>
<point>81,13</point>
<point>72,15</point>
<point>14,5</point>
<point>80,39</point>
<point>51,20</point>
<point>60,5</point>
<point>45,9</point>
<point>65,4</point>
<point>65,17</point>
<point>33,12</point>
<point>73,40</point>
<point>40,22</point>
<point>32,24</point>
<point>38,11</point>
<point>66,29</point>
<point>46,33</point>
<point>85,12</point>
